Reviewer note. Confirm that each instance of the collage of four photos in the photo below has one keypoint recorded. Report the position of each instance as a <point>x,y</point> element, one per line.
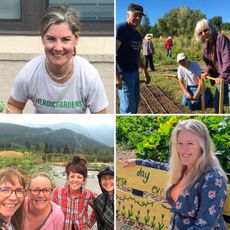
<point>114,115</point>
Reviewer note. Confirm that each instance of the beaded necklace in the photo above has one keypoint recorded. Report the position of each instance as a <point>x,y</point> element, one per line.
<point>55,77</point>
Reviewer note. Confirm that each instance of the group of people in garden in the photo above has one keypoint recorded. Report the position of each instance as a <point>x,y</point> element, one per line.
<point>38,205</point>
<point>216,55</point>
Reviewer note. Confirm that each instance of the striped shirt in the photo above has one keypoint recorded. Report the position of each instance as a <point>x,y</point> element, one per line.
<point>76,210</point>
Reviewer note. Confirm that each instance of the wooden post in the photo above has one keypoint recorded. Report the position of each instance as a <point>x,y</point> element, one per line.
<point>202,96</point>
<point>221,96</point>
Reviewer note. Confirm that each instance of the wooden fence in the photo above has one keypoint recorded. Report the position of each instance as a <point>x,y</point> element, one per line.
<point>140,196</point>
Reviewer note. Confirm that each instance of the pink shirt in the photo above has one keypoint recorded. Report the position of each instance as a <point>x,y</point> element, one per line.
<point>55,220</point>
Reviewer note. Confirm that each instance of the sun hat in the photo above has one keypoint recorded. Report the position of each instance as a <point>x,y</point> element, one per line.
<point>180,56</point>
<point>169,38</point>
<point>136,8</point>
<point>148,36</point>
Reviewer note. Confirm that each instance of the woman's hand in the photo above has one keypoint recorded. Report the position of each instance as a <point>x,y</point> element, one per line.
<point>129,162</point>
<point>204,75</point>
<point>218,80</point>
<point>118,81</point>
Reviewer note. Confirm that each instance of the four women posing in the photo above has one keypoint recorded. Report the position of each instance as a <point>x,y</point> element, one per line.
<point>72,207</point>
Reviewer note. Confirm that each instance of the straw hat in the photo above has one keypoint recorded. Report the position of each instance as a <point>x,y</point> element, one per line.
<point>148,36</point>
<point>180,56</point>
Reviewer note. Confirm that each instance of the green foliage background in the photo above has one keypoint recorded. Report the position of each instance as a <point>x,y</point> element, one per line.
<point>179,22</point>
<point>28,164</point>
<point>149,136</point>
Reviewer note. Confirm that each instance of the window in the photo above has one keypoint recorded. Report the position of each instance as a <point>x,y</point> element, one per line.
<point>10,9</point>
<point>96,16</point>
<point>23,16</point>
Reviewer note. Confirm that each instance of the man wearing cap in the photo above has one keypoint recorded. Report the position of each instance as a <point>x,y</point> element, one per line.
<point>148,51</point>
<point>189,80</point>
<point>128,61</point>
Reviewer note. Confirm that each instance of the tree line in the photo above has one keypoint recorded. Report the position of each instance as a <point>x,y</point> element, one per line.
<point>93,153</point>
<point>179,22</point>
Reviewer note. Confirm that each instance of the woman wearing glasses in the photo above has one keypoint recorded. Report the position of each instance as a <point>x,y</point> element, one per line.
<point>216,56</point>
<point>12,192</point>
<point>74,199</point>
<point>41,212</point>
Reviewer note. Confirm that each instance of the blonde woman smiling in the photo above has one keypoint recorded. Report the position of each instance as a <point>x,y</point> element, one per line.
<point>41,212</point>
<point>197,185</point>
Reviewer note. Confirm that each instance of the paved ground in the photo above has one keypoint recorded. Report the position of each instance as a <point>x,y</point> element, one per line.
<point>9,70</point>
<point>123,226</point>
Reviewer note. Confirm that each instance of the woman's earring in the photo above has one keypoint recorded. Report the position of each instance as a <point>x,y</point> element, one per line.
<point>74,51</point>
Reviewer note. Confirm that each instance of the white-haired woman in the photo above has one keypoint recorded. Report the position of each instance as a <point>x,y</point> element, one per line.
<point>196,183</point>
<point>216,55</point>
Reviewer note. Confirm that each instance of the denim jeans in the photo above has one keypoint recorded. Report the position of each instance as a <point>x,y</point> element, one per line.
<point>185,101</point>
<point>217,94</point>
<point>169,53</point>
<point>129,94</point>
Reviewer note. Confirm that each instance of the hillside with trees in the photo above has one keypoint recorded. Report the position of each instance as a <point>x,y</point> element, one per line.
<point>46,140</point>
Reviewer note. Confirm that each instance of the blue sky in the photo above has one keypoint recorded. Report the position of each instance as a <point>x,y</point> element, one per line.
<point>157,8</point>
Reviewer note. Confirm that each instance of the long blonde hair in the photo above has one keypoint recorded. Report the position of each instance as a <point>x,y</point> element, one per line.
<point>207,158</point>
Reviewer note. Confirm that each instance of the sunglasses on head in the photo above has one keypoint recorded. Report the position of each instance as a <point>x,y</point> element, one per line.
<point>203,31</point>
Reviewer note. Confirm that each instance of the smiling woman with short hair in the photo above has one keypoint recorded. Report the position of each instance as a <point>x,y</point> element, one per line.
<point>59,81</point>
<point>12,192</point>
<point>41,212</point>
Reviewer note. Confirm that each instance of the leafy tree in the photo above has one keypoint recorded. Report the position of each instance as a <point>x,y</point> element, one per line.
<point>179,21</point>
<point>51,148</point>
<point>216,22</point>
<point>38,148</point>
<point>27,145</point>
<point>46,148</point>
<point>58,149</point>
<point>155,31</point>
<point>162,26</point>
<point>105,156</point>
<point>90,157</point>
<point>8,146</point>
<point>226,26</point>
<point>66,149</point>
<point>145,26</point>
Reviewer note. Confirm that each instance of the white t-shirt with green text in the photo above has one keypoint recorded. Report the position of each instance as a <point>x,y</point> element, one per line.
<point>83,92</point>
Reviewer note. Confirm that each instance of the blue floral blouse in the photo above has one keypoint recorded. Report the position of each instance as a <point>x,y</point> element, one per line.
<point>200,206</point>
